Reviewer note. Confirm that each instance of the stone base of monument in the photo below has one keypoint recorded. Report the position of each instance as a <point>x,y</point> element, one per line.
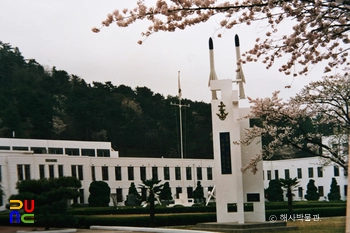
<point>245,227</point>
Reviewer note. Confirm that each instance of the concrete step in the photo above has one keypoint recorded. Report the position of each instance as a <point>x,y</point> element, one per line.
<point>246,227</point>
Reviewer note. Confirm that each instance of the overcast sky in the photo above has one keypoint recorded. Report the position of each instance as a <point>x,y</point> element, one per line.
<point>58,33</point>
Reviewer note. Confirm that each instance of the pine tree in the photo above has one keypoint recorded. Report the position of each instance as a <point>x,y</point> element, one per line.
<point>133,198</point>
<point>274,192</point>
<point>311,192</point>
<point>165,194</point>
<point>198,193</point>
<point>99,194</point>
<point>334,194</point>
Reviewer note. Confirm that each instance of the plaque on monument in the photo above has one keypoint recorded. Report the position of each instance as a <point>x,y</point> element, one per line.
<point>253,197</point>
<point>225,151</point>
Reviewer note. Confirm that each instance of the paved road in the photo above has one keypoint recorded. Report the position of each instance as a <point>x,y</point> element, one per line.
<point>15,229</point>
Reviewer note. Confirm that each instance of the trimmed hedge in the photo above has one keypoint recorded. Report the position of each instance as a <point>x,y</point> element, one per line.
<point>179,219</point>
<point>141,210</point>
<point>143,221</point>
<point>303,205</point>
<point>196,209</point>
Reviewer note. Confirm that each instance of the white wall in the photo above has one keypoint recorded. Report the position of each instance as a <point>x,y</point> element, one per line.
<point>305,163</point>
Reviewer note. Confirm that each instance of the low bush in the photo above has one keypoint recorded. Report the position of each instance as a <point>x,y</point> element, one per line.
<point>143,221</point>
<point>303,204</point>
<point>140,210</point>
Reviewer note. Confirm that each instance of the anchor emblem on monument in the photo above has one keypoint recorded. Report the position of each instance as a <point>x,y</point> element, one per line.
<point>223,114</point>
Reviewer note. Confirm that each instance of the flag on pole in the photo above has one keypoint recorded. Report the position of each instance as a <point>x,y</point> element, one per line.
<point>178,82</point>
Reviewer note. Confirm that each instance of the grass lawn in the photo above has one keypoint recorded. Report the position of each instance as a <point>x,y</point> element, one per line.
<point>325,225</point>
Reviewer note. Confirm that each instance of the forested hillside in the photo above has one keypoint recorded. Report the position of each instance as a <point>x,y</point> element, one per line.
<point>51,104</point>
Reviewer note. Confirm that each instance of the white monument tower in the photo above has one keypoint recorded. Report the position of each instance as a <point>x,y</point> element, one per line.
<point>239,196</point>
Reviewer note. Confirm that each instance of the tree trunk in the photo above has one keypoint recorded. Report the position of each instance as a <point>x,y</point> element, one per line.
<point>290,201</point>
<point>347,222</point>
<point>151,209</point>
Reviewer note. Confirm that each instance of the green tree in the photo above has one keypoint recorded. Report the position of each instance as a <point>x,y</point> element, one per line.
<point>153,189</point>
<point>274,192</point>
<point>165,194</point>
<point>133,198</point>
<point>311,192</point>
<point>99,194</point>
<point>51,197</point>
<point>334,194</point>
<point>289,184</point>
<point>198,193</point>
<point>138,122</point>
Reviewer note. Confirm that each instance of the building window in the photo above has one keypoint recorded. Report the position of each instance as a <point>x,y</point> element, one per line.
<point>300,192</point>
<point>80,172</point>
<point>188,173</point>
<point>143,173</point>
<point>189,192</point>
<point>42,171</point>
<point>311,172</point>
<point>263,174</point>
<point>276,175</point>
<point>177,173</point>
<point>0,174</point>
<point>51,171</point>
<point>5,148</point>
<point>27,172</point>
<point>155,173</point>
<point>345,190</point>
<point>199,173</point>
<point>119,195</point>
<point>210,173</point>
<point>93,173</point>
<point>319,172</point>
<point>19,172</point>
<point>81,197</point>
<point>38,150</point>
<point>143,194</point>
<point>22,148</point>
<point>103,153</point>
<point>320,191</point>
<point>336,170</point>
<point>299,173</point>
<point>166,173</point>
<point>60,171</point>
<point>286,174</point>
<point>130,173</point>
<point>88,152</point>
<point>72,151</point>
<point>58,151</point>
<point>178,191</point>
<point>74,171</point>
<point>104,173</point>
<point>118,173</point>
<point>268,174</point>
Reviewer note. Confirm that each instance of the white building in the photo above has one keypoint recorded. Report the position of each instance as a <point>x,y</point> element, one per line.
<point>22,159</point>
<point>305,169</point>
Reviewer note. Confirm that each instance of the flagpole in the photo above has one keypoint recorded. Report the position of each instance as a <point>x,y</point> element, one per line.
<point>180,107</point>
